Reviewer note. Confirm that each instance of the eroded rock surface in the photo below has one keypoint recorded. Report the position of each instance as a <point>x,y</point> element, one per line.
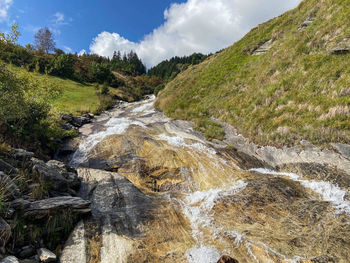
<point>171,196</point>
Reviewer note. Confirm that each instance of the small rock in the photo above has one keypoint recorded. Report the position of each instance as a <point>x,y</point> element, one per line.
<point>46,255</point>
<point>307,22</point>
<point>20,204</point>
<point>10,259</point>
<point>5,232</point>
<point>9,213</point>
<point>227,259</point>
<point>340,50</point>
<point>22,155</point>
<point>26,252</point>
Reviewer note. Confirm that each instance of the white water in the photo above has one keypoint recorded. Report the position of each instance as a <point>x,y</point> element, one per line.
<point>112,127</point>
<point>329,192</point>
<point>197,208</point>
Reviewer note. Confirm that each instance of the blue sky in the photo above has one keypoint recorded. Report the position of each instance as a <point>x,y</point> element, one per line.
<point>154,29</point>
<point>76,22</point>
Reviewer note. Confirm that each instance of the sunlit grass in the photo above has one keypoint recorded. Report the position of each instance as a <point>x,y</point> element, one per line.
<point>296,91</point>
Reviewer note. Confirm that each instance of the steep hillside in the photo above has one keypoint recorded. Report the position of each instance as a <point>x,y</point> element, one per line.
<point>286,80</point>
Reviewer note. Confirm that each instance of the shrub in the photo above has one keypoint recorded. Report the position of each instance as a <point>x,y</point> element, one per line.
<point>62,66</point>
<point>158,89</point>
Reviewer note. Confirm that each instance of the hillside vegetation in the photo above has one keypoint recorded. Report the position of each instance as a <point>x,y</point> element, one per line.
<point>299,89</point>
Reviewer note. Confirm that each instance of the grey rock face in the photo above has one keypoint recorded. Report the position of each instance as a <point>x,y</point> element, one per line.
<point>344,149</point>
<point>5,232</point>
<point>263,48</point>
<point>77,121</point>
<point>41,208</point>
<point>277,157</point>
<point>46,255</point>
<point>49,175</point>
<point>10,259</point>
<point>118,208</point>
<point>66,171</point>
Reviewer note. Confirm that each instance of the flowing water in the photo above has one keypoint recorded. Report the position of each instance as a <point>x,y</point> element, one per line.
<point>169,195</point>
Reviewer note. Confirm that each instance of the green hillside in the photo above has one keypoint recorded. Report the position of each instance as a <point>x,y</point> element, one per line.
<point>298,89</point>
<point>74,97</point>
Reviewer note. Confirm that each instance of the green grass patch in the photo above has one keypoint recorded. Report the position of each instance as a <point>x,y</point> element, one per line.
<point>75,97</point>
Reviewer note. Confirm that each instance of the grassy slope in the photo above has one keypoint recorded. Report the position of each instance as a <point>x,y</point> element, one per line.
<point>297,90</point>
<point>75,97</point>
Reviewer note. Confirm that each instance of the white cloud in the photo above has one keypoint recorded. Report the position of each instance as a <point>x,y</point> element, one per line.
<point>195,26</point>
<point>67,49</point>
<point>58,19</point>
<point>4,7</point>
<point>82,52</point>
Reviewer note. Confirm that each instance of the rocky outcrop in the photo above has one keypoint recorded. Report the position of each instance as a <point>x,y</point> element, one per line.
<point>77,122</point>
<point>197,200</point>
<point>276,157</point>
<point>263,48</point>
<point>49,175</point>
<point>341,48</point>
<point>42,208</point>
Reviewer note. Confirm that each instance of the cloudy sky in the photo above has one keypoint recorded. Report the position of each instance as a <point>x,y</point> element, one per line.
<point>155,29</point>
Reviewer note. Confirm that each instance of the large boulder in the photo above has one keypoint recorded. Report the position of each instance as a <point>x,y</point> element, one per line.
<point>40,209</point>
<point>46,255</point>
<point>66,171</point>
<point>5,232</point>
<point>49,175</point>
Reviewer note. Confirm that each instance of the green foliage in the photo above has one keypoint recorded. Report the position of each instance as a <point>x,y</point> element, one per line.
<point>12,36</point>
<point>104,89</point>
<point>62,66</point>
<point>129,63</point>
<point>158,89</point>
<point>100,72</point>
<point>297,90</point>
<point>168,69</point>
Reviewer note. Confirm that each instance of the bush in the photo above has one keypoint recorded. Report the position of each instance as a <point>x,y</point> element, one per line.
<point>158,89</point>
<point>62,66</point>
<point>24,111</point>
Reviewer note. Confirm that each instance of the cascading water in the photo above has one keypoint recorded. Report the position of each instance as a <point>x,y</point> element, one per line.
<point>201,188</point>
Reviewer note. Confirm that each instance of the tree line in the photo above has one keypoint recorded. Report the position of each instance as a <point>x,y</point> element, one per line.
<point>169,69</point>
<point>44,57</point>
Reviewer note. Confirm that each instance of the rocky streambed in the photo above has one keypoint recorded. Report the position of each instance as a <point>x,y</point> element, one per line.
<point>160,192</point>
